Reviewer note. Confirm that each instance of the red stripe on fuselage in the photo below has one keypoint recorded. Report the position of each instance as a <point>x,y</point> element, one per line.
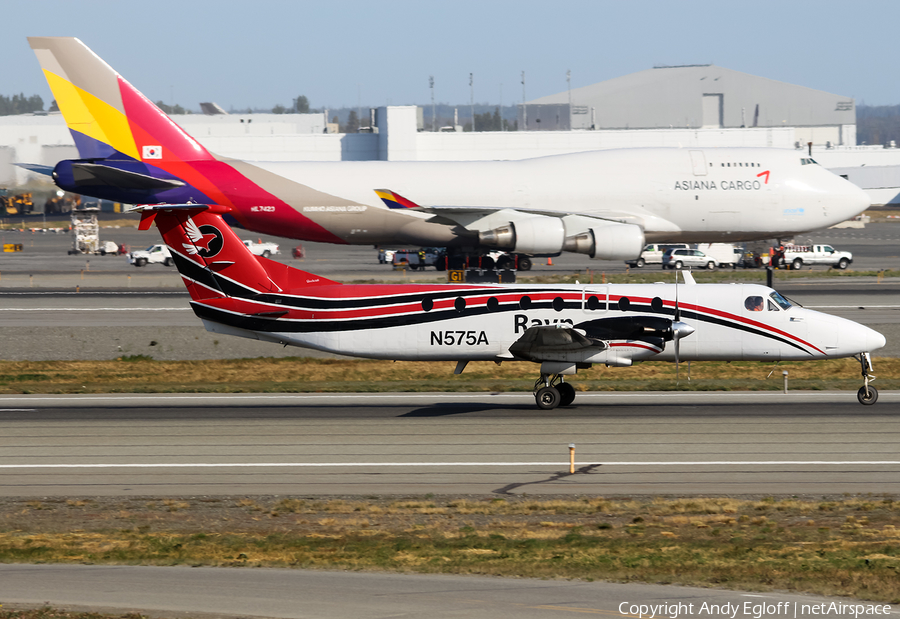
<point>655,349</point>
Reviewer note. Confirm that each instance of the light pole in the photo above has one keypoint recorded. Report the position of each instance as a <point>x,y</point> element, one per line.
<point>472,98</point>
<point>524,109</point>
<point>431,86</point>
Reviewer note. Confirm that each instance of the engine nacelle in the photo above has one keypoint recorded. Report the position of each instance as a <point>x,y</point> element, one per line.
<point>609,241</point>
<point>536,236</point>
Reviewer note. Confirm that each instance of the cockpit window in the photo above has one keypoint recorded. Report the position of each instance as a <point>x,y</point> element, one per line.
<point>781,301</point>
<point>754,304</point>
<point>772,306</point>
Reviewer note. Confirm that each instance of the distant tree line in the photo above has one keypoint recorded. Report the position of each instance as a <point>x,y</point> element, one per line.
<point>877,124</point>
<point>171,109</point>
<point>299,106</point>
<point>20,104</point>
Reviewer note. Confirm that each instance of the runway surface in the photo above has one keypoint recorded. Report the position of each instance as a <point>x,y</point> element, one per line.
<point>396,444</point>
<point>237,592</point>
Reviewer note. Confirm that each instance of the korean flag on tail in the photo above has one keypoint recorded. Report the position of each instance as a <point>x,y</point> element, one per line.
<point>151,152</point>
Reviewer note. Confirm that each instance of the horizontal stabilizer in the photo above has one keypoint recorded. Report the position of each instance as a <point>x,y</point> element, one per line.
<point>96,174</point>
<point>37,168</point>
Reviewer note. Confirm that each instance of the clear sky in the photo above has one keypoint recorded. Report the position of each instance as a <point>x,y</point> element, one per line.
<point>381,52</point>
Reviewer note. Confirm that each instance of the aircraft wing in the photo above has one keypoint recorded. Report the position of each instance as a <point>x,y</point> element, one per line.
<point>586,339</point>
<point>636,214</point>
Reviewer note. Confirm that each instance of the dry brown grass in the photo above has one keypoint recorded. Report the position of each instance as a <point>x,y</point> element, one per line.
<point>835,546</point>
<point>144,375</point>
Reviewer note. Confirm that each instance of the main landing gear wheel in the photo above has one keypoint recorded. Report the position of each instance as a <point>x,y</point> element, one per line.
<point>547,398</point>
<point>551,391</point>
<point>566,394</point>
<point>867,395</point>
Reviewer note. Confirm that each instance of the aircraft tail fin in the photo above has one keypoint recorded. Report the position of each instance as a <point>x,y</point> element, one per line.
<point>213,261</point>
<point>107,116</point>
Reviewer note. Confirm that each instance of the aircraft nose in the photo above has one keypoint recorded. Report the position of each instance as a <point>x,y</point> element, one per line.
<point>874,340</point>
<point>842,199</point>
<point>861,200</point>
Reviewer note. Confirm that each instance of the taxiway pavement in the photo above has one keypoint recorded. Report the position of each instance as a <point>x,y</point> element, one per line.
<point>243,592</point>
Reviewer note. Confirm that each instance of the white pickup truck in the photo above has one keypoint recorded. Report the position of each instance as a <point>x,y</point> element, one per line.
<point>262,249</point>
<point>798,256</point>
<point>155,254</point>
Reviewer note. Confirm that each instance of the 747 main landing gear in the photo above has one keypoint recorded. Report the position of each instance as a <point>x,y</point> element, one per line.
<point>550,391</point>
<point>867,394</point>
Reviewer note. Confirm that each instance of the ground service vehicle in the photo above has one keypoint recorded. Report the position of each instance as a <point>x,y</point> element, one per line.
<point>20,204</point>
<point>562,327</point>
<point>420,258</point>
<point>653,254</point>
<point>798,256</point>
<point>678,258</point>
<point>725,254</point>
<point>262,249</point>
<point>155,254</point>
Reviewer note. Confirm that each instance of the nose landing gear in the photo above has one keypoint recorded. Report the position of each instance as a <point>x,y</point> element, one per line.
<point>551,390</point>
<point>867,395</point>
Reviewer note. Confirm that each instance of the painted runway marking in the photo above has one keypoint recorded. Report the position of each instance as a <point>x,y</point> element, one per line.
<point>436,464</point>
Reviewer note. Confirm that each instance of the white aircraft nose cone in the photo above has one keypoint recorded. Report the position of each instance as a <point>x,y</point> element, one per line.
<point>874,340</point>
<point>861,201</point>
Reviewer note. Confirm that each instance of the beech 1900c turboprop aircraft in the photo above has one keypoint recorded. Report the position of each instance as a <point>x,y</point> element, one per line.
<point>605,204</point>
<point>562,327</point>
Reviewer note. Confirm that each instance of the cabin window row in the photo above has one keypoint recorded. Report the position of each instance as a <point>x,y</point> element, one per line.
<point>592,303</point>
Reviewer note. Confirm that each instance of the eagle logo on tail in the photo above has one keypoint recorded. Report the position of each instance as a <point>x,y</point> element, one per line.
<point>206,240</point>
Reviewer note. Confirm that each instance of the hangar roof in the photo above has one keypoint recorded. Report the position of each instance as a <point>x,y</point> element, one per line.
<point>685,96</point>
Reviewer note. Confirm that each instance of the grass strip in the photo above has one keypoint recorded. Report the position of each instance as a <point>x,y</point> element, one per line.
<point>142,374</point>
<point>846,546</point>
<point>49,612</point>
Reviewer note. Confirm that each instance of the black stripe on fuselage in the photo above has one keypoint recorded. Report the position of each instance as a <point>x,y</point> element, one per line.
<point>350,303</point>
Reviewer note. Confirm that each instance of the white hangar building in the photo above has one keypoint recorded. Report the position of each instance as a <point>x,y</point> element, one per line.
<point>696,97</point>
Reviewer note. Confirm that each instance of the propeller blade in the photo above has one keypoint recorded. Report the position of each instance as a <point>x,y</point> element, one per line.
<point>677,311</point>
<point>677,362</point>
